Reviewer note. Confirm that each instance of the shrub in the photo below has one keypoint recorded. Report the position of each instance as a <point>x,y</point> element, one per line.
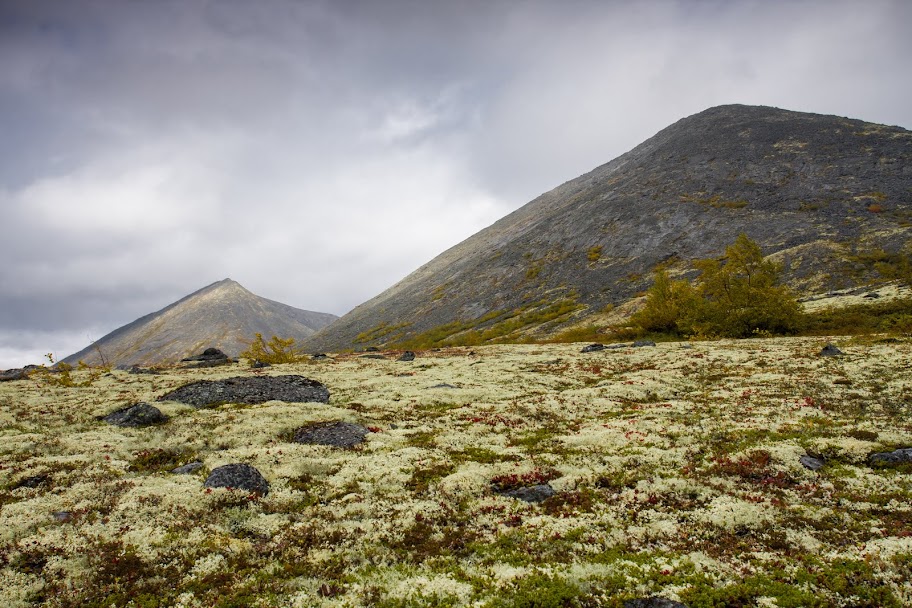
<point>277,350</point>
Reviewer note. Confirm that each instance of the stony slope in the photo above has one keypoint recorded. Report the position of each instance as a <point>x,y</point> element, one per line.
<point>817,191</point>
<point>224,315</point>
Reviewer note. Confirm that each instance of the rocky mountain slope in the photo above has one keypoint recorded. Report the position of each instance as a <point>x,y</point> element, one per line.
<point>825,195</point>
<point>223,315</point>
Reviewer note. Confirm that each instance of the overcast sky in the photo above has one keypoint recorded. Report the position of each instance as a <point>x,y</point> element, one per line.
<point>318,152</point>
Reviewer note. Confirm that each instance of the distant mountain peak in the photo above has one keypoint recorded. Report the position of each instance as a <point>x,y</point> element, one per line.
<point>223,314</point>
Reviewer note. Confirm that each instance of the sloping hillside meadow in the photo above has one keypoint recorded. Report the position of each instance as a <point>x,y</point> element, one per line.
<point>676,470</point>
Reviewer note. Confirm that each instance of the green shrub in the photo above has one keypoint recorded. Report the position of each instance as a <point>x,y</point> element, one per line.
<point>277,350</point>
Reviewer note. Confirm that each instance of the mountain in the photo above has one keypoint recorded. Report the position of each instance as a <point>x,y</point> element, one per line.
<point>827,196</point>
<point>223,315</point>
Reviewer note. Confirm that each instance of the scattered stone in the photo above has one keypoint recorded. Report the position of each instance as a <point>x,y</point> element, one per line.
<point>190,467</point>
<point>373,357</point>
<point>257,364</point>
<point>319,356</point>
<point>211,357</point>
<point>443,385</point>
<point>814,463</point>
<point>336,434</point>
<point>407,356</point>
<point>618,345</point>
<point>372,349</point>
<point>13,374</point>
<point>250,390</point>
<point>35,481</point>
<point>593,348</point>
<point>829,350</point>
<point>531,493</point>
<point>900,456</point>
<point>62,516</point>
<point>135,369</point>
<point>642,343</point>
<point>140,414</point>
<point>872,296</point>
<point>240,476</point>
<point>653,602</point>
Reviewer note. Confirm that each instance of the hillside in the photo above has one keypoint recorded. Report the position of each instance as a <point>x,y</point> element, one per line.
<point>223,315</point>
<point>686,471</point>
<point>824,194</point>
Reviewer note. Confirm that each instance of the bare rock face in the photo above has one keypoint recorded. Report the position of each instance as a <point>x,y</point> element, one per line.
<point>13,374</point>
<point>250,390</point>
<point>798,184</point>
<point>336,434</point>
<point>140,414</point>
<point>239,476</point>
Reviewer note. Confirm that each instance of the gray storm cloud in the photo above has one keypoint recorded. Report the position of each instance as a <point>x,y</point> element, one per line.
<point>317,152</point>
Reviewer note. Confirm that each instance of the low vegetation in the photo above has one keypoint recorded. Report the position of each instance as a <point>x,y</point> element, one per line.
<point>676,469</point>
<point>277,350</point>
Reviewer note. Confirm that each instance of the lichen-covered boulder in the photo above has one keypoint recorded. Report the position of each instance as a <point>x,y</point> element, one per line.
<point>250,390</point>
<point>593,348</point>
<point>337,434</point>
<point>407,356</point>
<point>537,493</point>
<point>900,456</point>
<point>140,414</point>
<point>830,350</point>
<point>239,476</point>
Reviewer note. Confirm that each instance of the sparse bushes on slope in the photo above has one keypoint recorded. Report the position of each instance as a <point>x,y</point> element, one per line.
<point>736,297</point>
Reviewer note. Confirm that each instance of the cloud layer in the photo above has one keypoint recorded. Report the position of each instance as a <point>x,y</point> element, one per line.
<point>317,152</point>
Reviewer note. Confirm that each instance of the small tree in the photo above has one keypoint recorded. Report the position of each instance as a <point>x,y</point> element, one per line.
<point>736,297</point>
<point>277,350</point>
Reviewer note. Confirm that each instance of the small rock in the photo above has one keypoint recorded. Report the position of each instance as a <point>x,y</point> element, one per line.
<point>873,295</point>
<point>900,456</point>
<point>593,348</point>
<point>62,516</point>
<point>319,356</point>
<point>443,385</point>
<point>813,463</point>
<point>531,493</point>
<point>35,481</point>
<point>373,357</point>
<point>372,349</point>
<point>188,468</point>
<point>141,414</point>
<point>653,602</point>
<point>642,343</point>
<point>407,356</point>
<point>829,350</point>
<point>210,354</point>
<point>336,434</point>
<point>13,374</point>
<point>135,369</point>
<point>257,364</point>
<point>240,476</point>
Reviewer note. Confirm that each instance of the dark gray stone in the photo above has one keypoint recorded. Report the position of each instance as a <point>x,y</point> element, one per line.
<point>140,414</point>
<point>829,350</point>
<point>336,434</point>
<point>135,369</point>
<point>593,348</point>
<point>371,349</point>
<point>443,385</point>
<point>250,390</point>
<point>35,481</point>
<point>407,356</point>
<point>653,602</point>
<point>900,456</point>
<point>240,476</point>
<point>210,354</point>
<point>13,374</point>
<point>319,356</point>
<point>531,493</point>
<point>642,343</point>
<point>62,516</point>
<point>872,296</point>
<point>190,467</point>
<point>257,364</point>
<point>814,463</point>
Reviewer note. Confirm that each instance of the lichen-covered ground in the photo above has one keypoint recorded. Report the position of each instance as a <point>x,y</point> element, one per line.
<point>676,470</point>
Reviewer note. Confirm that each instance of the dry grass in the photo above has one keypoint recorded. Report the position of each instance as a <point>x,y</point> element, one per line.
<point>676,472</point>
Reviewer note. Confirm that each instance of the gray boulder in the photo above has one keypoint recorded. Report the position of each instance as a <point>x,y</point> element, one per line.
<point>13,374</point>
<point>250,390</point>
<point>593,348</point>
<point>140,414</point>
<point>814,463</point>
<point>530,493</point>
<point>900,456</point>
<point>190,467</point>
<point>240,476</point>
<point>407,356</point>
<point>337,434</point>
<point>829,350</point>
<point>642,343</point>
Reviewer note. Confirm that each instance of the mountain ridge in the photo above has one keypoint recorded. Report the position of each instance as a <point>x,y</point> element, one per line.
<point>812,189</point>
<point>223,314</point>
